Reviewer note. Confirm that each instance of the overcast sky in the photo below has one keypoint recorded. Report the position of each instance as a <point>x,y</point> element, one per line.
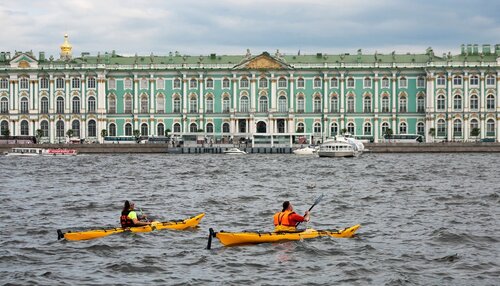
<point>196,27</point>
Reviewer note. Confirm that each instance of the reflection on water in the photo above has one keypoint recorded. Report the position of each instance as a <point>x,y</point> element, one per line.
<point>426,219</point>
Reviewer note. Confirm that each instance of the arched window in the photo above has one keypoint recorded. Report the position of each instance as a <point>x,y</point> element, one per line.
<point>457,128</point>
<point>24,84</point>
<point>403,82</point>
<point>474,125</point>
<point>441,80</point>
<point>127,83</point>
<point>403,128</point>
<point>91,104</point>
<point>350,103</point>
<point>193,104</point>
<point>75,108</point>
<point>282,83</point>
<point>226,104</point>
<point>385,82</point>
<point>367,104</point>
<point>441,102</point>
<point>111,104</point>
<point>490,80</point>
<point>421,128</point>
<point>334,83</point>
<point>317,82</point>
<point>280,123</point>
<point>24,105</point>
<point>176,84</point>
<point>457,102</point>
<point>225,127</point>
<point>210,104</point>
<point>226,83</point>
<point>490,127</point>
<point>44,83</point>
<point>263,104</point>
<point>300,104</point>
<point>160,129</point>
<point>367,128</point>
<point>385,127</point>
<point>60,128</point>
<point>474,80</point>
<point>334,129</point>
<point>144,103</point>
<point>112,129</point>
<point>60,105</point>
<point>59,83</point>
<point>244,83</point>
<point>282,104</point>
<point>44,105</point>
<point>4,127</point>
<point>350,82</point>
<point>350,128</point>
<point>420,103</point>
<point>244,104</point>
<point>75,83</point>
<point>317,127</point>
<point>490,102</point>
<point>144,129</point>
<point>75,126</point>
<point>44,125</point>
<point>210,128</point>
<point>263,82</point>
<point>334,103</point>
<point>91,82</point>
<point>385,103</point>
<point>128,103</point>
<point>474,102</point>
<point>317,103</point>
<point>367,82</point>
<point>402,104</point>
<point>193,127</point>
<point>177,128</point>
<point>441,128</point>
<point>300,82</point>
<point>4,105</point>
<point>457,80</point>
<point>25,128</point>
<point>261,127</point>
<point>160,103</point>
<point>92,128</point>
<point>209,83</point>
<point>193,83</point>
<point>300,127</point>
<point>177,104</point>
<point>128,129</point>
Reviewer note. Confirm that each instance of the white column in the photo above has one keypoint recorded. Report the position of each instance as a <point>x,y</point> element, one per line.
<point>273,93</point>
<point>233,87</point>
<point>52,130</point>
<point>184,96</point>
<point>101,94</point>
<point>430,96</point>
<point>482,125</point>
<point>325,94</point>
<point>291,98</point>
<point>375,130</point>
<point>497,97</point>
<point>31,100</point>
<point>83,97</point>
<point>253,94</point>
<point>376,96</point>
<point>36,100</point>
<point>342,96</point>
<point>449,121</point>
<point>449,97</point>
<point>15,96</point>
<point>466,127</point>
<point>67,99</point>
<point>466,92</point>
<point>136,96</point>
<point>152,95</point>
<point>482,96</point>
<point>394,95</point>
<point>202,96</point>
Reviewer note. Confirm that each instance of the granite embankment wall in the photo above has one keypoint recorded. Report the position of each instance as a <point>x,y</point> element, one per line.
<point>450,147</point>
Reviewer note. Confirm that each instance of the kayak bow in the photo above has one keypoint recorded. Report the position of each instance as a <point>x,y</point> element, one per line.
<point>241,238</point>
<point>156,225</point>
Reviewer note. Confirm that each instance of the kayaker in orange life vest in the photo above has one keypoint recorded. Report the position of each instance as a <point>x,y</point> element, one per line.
<point>287,219</point>
<point>129,217</point>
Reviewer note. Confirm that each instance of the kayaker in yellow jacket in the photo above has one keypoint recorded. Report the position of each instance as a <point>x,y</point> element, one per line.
<point>129,217</point>
<point>287,219</point>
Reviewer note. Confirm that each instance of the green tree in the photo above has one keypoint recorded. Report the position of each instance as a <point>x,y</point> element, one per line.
<point>475,132</point>
<point>388,133</point>
<point>104,133</point>
<point>137,134</point>
<point>6,132</point>
<point>39,134</point>
<point>167,131</point>
<point>432,133</point>
<point>70,133</point>
<point>343,131</point>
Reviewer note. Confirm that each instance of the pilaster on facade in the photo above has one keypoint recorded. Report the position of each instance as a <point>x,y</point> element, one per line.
<point>449,99</point>
<point>466,92</point>
<point>273,92</point>
<point>482,96</point>
<point>253,95</point>
<point>152,94</point>
<point>184,94</point>
<point>342,93</point>
<point>83,95</point>
<point>101,93</point>
<point>394,96</point>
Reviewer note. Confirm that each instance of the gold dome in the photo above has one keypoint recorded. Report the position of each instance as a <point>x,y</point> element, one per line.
<point>66,48</point>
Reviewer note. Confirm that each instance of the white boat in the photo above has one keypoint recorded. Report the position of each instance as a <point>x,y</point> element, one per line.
<point>234,151</point>
<point>308,150</point>
<point>59,152</point>
<point>22,151</point>
<point>336,149</point>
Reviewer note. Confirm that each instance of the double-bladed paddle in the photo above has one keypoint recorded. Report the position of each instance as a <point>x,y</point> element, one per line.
<point>315,203</point>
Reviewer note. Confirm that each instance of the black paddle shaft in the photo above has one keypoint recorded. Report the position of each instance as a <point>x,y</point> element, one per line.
<point>315,203</point>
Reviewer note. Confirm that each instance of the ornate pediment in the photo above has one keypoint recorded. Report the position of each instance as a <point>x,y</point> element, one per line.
<point>23,61</point>
<point>263,61</point>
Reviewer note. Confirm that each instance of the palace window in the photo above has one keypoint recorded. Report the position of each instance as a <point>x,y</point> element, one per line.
<point>92,128</point>
<point>474,102</point>
<point>44,105</point>
<point>350,104</point>
<point>112,129</point>
<point>282,104</point>
<point>385,127</point>
<point>75,83</point>
<point>334,104</point>
<point>4,83</point>
<point>24,84</point>
<point>490,80</point>
<point>60,105</point>
<point>490,102</point>
<point>317,82</point>
<point>127,83</point>
<point>263,104</point>
<point>44,125</point>
<point>367,128</point>
<point>225,127</point>
<point>143,84</point>
<point>457,80</point>
<point>193,83</point>
<point>367,82</point>
<point>111,104</point>
<point>91,82</point>
<point>25,128</point>
<point>210,83</point>
<point>420,82</point>
<point>441,80</point>
<point>457,102</point>
<point>473,125</point>
<point>490,127</point>
<point>128,104</point>
<point>441,102</point>
<point>403,82</point>
<point>144,103</point>
<point>160,103</point>
<point>385,82</point>
<point>75,105</point>
<point>91,104</point>
<point>210,104</point>
<point>193,104</point>
<point>210,128</point>
<point>457,128</point>
<point>4,105</point>
<point>193,127</point>
<point>144,129</point>
<point>317,103</point>
<point>317,127</point>
<point>75,126</point>
<point>334,83</point>
<point>334,129</point>
<point>263,82</point>
<point>350,128</point>
<point>441,128</point>
<point>244,104</point>
<point>300,104</point>
<point>177,84</point>
<point>350,82</point>
<point>177,104</point>
<point>402,104</point>
<point>301,82</point>
<point>225,104</point>
<point>111,83</point>
<point>402,128</point>
<point>59,83</point>
<point>420,103</point>
<point>300,127</point>
<point>474,80</point>
<point>24,105</point>
<point>128,129</point>
<point>282,82</point>
<point>244,83</point>
<point>367,104</point>
<point>385,103</point>
<point>44,83</point>
<point>225,83</point>
<point>160,83</point>
<point>60,128</point>
<point>421,128</point>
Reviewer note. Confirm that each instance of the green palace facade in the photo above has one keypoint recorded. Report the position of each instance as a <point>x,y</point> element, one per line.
<point>266,97</point>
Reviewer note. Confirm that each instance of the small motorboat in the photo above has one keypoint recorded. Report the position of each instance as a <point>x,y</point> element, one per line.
<point>234,151</point>
<point>309,150</point>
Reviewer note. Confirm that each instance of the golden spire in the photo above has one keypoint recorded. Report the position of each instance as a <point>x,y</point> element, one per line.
<point>66,49</point>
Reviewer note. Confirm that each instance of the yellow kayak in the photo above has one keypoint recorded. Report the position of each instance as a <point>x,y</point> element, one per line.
<point>155,225</point>
<point>241,238</point>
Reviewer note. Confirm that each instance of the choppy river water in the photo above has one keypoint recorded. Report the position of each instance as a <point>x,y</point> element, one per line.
<point>427,219</point>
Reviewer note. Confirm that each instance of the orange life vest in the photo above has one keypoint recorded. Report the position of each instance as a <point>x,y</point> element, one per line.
<point>281,218</point>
